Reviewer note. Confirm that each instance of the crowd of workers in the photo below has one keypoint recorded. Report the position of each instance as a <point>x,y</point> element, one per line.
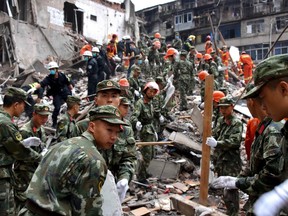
<point>64,176</point>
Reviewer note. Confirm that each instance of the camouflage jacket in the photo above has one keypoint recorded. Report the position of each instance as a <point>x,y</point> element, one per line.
<point>69,179</point>
<point>228,135</point>
<point>11,148</point>
<point>265,157</point>
<point>121,159</point>
<point>202,89</point>
<point>153,56</point>
<point>82,125</point>
<point>134,85</point>
<point>212,69</point>
<point>66,128</point>
<point>183,70</point>
<point>283,166</point>
<point>177,43</point>
<point>144,112</point>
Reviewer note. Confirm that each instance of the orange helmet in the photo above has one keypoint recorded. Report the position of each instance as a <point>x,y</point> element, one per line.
<point>123,82</point>
<point>157,44</point>
<point>199,55</point>
<point>207,57</point>
<point>157,35</point>
<point>152,85</point>
<point>217,95</point>
<point>202,75</point>
<point>170,52</point>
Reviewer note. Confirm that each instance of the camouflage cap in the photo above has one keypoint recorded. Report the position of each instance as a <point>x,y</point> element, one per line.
<point>108,85</point>
<point>183,52</point>
<point>136,68</point>
<point>17,93</point>
<point>226,101</point>
<point>269,69</point>
<point>125,101</point>
<point>73,99</point>
<point>42,109</point>
<point>159,79</point>
<point>106,113</point>
<point>250,92</point>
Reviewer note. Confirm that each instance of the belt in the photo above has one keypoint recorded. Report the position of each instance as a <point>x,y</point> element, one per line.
<point>30,205</point>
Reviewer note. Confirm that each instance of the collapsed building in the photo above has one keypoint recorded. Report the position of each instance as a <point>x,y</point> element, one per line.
<point>33,30</point>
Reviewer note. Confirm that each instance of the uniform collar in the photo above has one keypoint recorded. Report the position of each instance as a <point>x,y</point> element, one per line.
<point>284,130</point>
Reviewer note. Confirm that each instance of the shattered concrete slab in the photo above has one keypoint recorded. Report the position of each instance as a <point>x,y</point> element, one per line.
<point>164,169</point>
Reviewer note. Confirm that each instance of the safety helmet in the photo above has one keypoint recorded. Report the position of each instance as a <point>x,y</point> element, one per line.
<point>157,44</point>
<point>208,37</point>
<point>224,47</point>
<point>52,65</point>
<point>217,95</point>
<point>87,53</point>
<point>199,55</point>
<point>126,37</point>
<point>123,82</point>
<point>170,52</point>
<point>202,75</point>
<point>207,57</point>
<point>157,35</point>
<point>95,49</point>
<point>151,85</point>
<point>191,37</point>
<point>243,52</point>
<point>98,43</point>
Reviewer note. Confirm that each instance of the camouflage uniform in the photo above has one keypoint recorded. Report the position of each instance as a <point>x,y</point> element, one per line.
<point>183,71</point>
<point>264,163</point>
<point>226,158</point>
<point>11,149</point>
<point>24,170</point>
<point>66,127</point>
<point>202,89</point>
<point>144,112</point>
<point>177,42</point>
<point>69,179</point>
<point>154,61</point>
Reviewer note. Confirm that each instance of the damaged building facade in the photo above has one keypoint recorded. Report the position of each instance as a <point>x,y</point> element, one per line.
<point>34,29</point>
<point>251,25</point>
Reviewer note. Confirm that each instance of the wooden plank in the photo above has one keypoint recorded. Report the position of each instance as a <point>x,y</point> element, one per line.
<point>140,211</point>
<point>205,166</point>
<point>181,186</point>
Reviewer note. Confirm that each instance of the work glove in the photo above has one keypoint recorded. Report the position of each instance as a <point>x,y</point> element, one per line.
<point>146,61</point>
<point>44,151</point>
<point>161,119</point>
<point>122,187</point>
<point>73,92</point>
<point>138,126</point>
<point>31,90</point>
<point>156,136</point>
<point>228,182</point>
<point>270,204</point>
<point>31,141</point>
<point>136,93</point>
<point>211,141</point>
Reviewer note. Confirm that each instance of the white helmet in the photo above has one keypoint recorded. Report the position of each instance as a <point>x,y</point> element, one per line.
<point>95,49</point>
<point>87,53</point>
<point>152,85</point>
<point>52,65</point>
<point>126,37</point>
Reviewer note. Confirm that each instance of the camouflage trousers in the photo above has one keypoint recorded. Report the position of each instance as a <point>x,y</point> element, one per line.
<point>7,205</point>
<point>147,155</point>
<point>184,87</point>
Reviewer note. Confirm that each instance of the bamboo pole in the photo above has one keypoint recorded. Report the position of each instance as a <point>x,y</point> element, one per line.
<point>205,164</point>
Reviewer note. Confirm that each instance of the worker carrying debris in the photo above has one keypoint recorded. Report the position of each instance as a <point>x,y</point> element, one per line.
<point>59,86</point>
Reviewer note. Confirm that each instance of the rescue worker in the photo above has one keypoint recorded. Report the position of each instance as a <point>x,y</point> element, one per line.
<point>92,72</point>
<point>154,59</point>
<point>13,146</point>
<point>142,120</point>
<point>202,76</point>
<point>134,83</point>
<point>24,170</point>
<point>190,42</point>
<point>177,42</point>
<point>217,95</point>
<point>73,171</point>
<point>208,45</point>
<point>199,62</point>
<point>102,67</point>
<point>225,56</point>
<point>59,86</point>
<point>125,90</point>
<point>245,63</point>
<point>112,52</point>
<point>263,173</point>
<point>226,140</point>
<point>183,73</point>
<point>66,127</point>
<point>212,68</point>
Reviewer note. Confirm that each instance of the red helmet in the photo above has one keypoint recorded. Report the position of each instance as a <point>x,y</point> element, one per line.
<point>207,57</point>
<point>157,35</point>
<point>202,75</point>
<point>243,52</point>
<point>199,55</point>
<point>152,85</point>
<point>123,82</point>
<point>217,95</point>
<point>170,52</point>
<point>208,37</point>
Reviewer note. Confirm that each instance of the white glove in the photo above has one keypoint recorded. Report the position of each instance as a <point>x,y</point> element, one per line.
<point>31,141</point>
<point>44,151</point>
<point>122,187</point>
<point>161,119</point>
<point>73,91</point>
<point>31,90</point>
<point>228,182</point>
<point>136,93</point>
<point>211,141</point>
<point>146,61</point>
<point>138,126</point>
<point>156,136</point>
<point>269,204</point>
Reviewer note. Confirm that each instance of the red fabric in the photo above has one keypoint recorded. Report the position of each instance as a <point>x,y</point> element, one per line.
<point>247,63</point>
<point>252,125</point>
<point>86,47</point>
